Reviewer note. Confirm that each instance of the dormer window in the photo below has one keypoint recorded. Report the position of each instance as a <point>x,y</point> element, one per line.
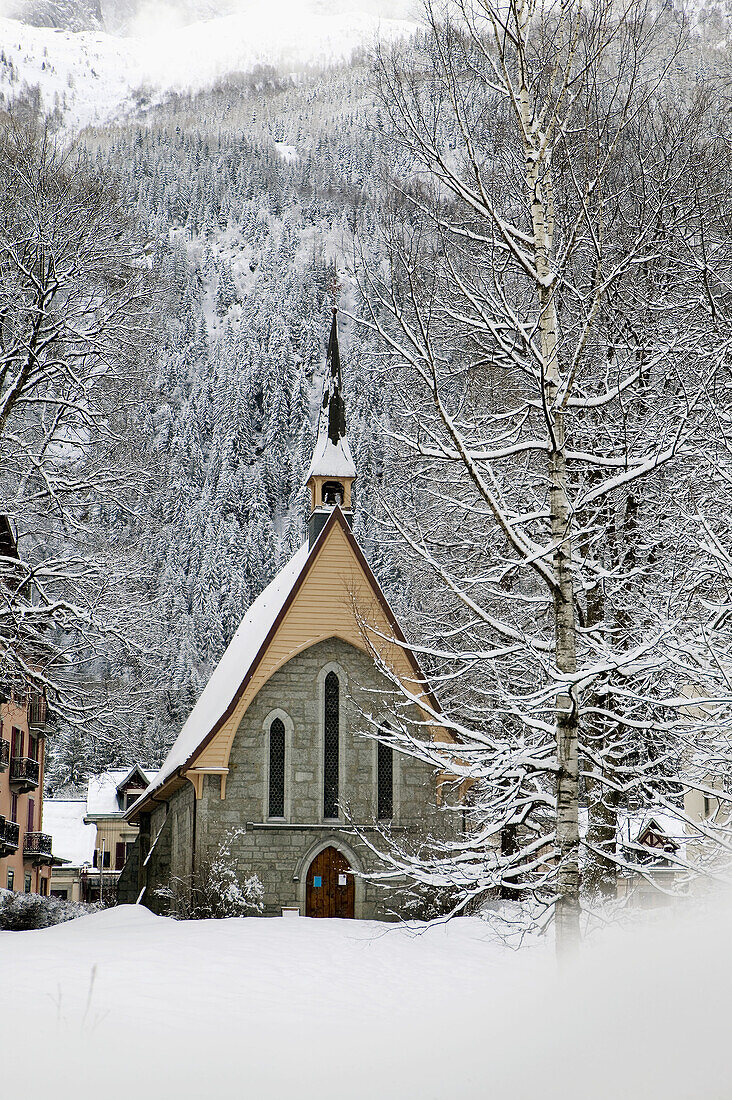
<point>130,798</point>
<point>131,787</point>
<point>333,493</point>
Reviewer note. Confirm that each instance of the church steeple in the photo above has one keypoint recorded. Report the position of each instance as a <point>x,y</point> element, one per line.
<point>332,471</point>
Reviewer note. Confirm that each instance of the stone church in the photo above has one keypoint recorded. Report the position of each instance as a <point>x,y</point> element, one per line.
<point>280,745</point>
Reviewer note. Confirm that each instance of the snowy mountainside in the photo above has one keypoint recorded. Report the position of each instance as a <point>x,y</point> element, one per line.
<point>133,16</point>
<point>73,15</point>
<point>90,78</point>
<point>80,78</point>
<point>248,189</point>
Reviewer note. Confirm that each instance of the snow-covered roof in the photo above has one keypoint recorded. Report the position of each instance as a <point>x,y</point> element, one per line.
<point>63,819</point>
<point>233,666</point>
<point>331,459</point>
<point>632,826</point>
<point>102,792</point>
<point>240,658</point>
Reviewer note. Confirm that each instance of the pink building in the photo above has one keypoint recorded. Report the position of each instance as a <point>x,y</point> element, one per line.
<point>25,850</point>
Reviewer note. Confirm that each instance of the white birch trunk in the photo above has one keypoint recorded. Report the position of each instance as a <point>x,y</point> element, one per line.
<point>565,639</point>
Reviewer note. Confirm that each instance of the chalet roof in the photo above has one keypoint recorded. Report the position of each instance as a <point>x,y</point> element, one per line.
<point>102,795</point>
<point>332,454</point>
<point>247,648</point>
<point>638,828</point>
<point>73,840</point>
<point>135,773</point>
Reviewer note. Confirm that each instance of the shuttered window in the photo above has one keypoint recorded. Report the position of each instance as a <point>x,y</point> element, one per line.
<point>384,781</point>
<point>330,747</point>
<point>277,768</point>
<point>31,815</point>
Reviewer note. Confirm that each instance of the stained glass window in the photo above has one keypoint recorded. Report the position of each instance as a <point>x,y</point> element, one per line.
<point>330,748</point>
<point>277,768</point>
<point>384,780</point>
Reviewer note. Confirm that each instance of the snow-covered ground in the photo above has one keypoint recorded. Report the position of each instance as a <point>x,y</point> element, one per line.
<point>95,78</point>
<point>123,1002</point>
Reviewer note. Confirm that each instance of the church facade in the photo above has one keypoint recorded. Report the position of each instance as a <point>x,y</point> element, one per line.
<point>279,755</point>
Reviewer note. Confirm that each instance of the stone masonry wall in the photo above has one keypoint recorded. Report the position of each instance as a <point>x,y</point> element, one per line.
<point>280,851</point>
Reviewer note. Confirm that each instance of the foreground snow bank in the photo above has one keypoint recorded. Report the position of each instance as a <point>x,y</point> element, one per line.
<point>270,1008</point>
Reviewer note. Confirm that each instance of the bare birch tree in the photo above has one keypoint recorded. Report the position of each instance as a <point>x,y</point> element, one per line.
<point>74,315</point>
<point>542,307</point>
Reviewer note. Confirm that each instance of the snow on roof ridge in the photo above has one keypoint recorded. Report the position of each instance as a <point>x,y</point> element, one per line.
<point>331,460</point>
<point>232,668</point>
<point>103,789</point>
<point>128,774</point>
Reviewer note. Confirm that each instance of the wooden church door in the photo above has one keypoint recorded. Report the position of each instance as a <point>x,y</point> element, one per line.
<point>330,890</point>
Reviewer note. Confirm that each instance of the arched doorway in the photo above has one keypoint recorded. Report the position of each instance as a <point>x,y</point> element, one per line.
<point>330,888</point>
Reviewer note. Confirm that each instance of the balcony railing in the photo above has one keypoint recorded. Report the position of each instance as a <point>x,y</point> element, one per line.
<point>24,773</point>
<point>4,754</point>
<point>89,881</point>
<point>37,712</point>
<point>9,836</point>
<point>37,846</point>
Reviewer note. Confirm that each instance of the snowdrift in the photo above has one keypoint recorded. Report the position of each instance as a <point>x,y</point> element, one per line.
<point>267,1008</point>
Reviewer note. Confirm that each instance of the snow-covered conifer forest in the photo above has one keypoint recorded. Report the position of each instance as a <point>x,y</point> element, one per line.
<point>523,211</point>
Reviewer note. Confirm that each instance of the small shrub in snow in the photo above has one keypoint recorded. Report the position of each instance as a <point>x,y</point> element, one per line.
<point>419,901</point>
<point>214,890</point>
<point>23,912</point>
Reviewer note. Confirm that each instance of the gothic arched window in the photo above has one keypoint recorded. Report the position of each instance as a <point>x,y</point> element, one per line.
<point>331,746</point>
<point>277,768</point>
<point>384,780</point>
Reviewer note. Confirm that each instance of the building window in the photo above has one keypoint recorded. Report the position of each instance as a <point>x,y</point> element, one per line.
<point>331,747</point>
<point>31,815</point>
<point>11,879</point>
<point>14,808</point>
<point>16,742</point>
<point>27,883</point>
<point>44,887</point>
<point>33,747</point>
<point>277,768</point>
<point>119,855</point>
<point>384,781</point>
<point>106,857</point>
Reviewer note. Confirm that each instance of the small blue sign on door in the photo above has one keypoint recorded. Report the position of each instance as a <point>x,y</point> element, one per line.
<point>317,880</point>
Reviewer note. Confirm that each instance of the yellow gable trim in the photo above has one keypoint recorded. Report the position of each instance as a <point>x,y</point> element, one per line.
<point>334,598</point>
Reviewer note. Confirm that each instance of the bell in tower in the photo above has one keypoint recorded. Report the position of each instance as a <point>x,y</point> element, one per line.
<point>332,471</point>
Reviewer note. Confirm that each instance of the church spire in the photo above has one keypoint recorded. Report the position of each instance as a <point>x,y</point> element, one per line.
<point>333,402</point>
<point>332,470</point>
